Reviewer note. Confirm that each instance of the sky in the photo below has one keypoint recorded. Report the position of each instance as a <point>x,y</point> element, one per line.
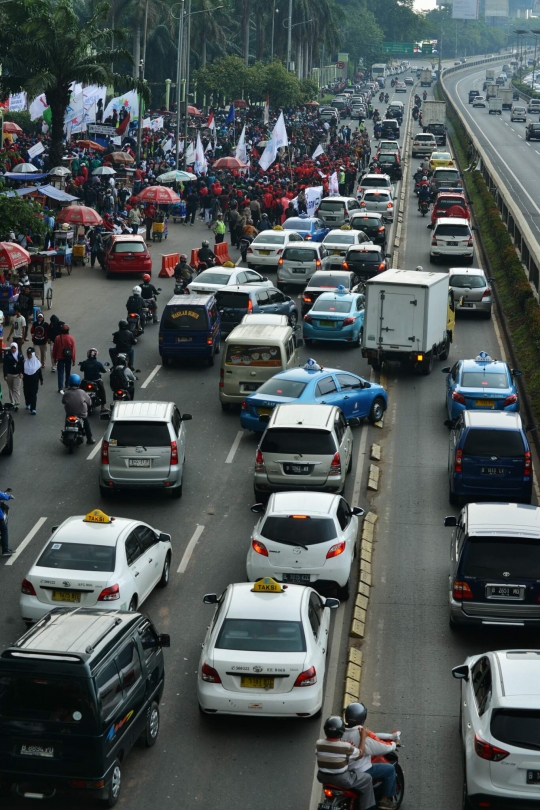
<point>424,5</point>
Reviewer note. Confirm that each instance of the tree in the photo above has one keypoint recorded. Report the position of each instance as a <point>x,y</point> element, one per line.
<point>21,215</point>
<point>43,49</point>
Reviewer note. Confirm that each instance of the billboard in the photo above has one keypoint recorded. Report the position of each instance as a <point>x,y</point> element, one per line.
<point>497,8</point>
<point>465,10</point>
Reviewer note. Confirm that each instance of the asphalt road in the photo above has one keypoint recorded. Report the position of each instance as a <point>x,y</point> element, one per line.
<point>246,763</point>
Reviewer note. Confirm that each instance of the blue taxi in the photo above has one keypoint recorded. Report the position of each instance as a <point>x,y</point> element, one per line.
<point>481,384</point>
<point>336,315</point>
<point>314,385</point>
<point>308,227</point>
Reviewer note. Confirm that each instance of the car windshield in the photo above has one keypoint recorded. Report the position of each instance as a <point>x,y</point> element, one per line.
<point>477,379</point>
<point>321,280</point>
<point>253,355</point>
<point>47,699</point>
<point>474,282</point>
<point>374,182</point>
<point>304,530</point>
<point>458,231</point>
<point>282,388</point>
<point>139,434</point>
<point>325,305</point>
<point>340,239</point>
<point>270,238</point>
<point>261,635</point>
<point>306,442</point>
<point>448,202</point>
<point>293,224</point>
<point>492,442</point>
<point>208,277</point>
<point>519,727</point>
<point>78,556</point>
<point>190,317</point>
<point>440,156</point>
<point>376,196</point>
<point>448,175</point>
<point>299,255</point>
<point>332,205</point>
<point>536,127</point>
<point>360,223</point>
<point>129,247</point>
<point>387,157</point>
<point>490,556</point>
<point>232,300</point>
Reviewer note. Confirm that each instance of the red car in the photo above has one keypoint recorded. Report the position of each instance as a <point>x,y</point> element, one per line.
<point>450,204</point>
<point>127,254</point>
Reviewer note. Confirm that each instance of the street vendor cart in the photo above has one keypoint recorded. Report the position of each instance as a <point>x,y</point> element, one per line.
<point>159,226</point>
<point>63,245</point>
<point>40,275</point>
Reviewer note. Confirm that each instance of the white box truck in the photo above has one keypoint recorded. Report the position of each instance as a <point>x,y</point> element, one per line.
<point>490,74</point>
<point>495,106</point>
<point>406,319</point>
<point>426,78</point>
<point>505,95</point>
<point>434,120</point>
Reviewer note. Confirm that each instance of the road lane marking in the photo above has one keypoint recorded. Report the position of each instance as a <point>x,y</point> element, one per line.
<point>21,547</point>
<point>234,448</point>
<point>93,453</point>
<point>190,549</point>
<point>150,377</point>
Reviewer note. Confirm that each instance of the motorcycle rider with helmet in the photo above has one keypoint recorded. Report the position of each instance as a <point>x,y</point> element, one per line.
<point>374,745</point>
<point>76,402</point>
<point>124,341</point>
<point>92,370</point>
<point>122,376</point>
<point>424,192</point>
<point>136,304</point>
<point>337,762</point>
<point>206,255</point>
<point>149,293</point>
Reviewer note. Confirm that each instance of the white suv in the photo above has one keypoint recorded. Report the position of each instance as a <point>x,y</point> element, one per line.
<point>500,728</point>
<point>424,143</point>
<point>452,237</point>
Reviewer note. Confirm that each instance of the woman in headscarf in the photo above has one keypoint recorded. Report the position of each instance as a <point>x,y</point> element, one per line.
<point>13,371</point>
<point>32,377</point>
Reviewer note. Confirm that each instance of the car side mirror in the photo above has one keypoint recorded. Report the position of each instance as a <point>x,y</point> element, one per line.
<point>516,372</point>
<point>446,370</point>
<point>450,520</point>
<point>474,228</point>
<point>210,599</point>
<point>164,640</point>
<point>105,416</point>
<point>358,511</point>
<point>186,417</point>
<point>332,603</point>
<point>106,364</point>
<point>387,255</point>
<point>492,280</point>
<point>164,537</point>
<point>450,423</point>
<point>461,672</point>
<point>258,508</point>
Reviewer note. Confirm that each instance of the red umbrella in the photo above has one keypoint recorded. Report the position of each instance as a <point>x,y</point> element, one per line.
<point>193,110</point>
<point>12,256</point>
<point>90,145</point>
<point>229,163</point>
<point>79,215</point>
<point>240,103</point>
<point>11,126</point>
<point>158,194</point>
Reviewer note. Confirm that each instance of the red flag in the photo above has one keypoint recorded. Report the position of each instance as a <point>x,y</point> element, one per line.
<point>211,124</point>
<point>121,128</point>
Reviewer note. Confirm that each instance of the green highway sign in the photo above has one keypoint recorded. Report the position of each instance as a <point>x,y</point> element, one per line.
<point>398,47</point>
<point>427,47</point>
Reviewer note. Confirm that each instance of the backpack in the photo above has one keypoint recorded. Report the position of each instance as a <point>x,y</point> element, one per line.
<point>118,379</point>
<point>67,352</point>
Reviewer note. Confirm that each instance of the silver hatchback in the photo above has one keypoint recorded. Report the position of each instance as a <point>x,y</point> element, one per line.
<point>472,290</point>
<point>144,447</point>
<point>304,447</point>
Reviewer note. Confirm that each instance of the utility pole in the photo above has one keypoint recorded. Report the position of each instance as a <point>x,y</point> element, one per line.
<point>289,30</point>
<point>179,56</point>
<point>141,77</point>
<point>188,49</point>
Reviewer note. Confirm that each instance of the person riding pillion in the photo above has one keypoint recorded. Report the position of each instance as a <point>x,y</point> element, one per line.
<point>337,762</point>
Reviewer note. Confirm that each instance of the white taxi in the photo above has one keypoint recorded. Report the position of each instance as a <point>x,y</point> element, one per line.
<point>95,560</point>
<point>265,650</point>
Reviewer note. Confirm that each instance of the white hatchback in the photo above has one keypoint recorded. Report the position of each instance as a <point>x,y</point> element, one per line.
<point>500,728</point>
<point>265,651</point>
<point>452,237</point>
<point>268,246</point>
<point>99,561</point>
<point>307,538</point>
<point>213,279</point>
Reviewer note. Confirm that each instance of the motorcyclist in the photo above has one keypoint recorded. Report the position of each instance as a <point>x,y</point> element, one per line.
<point>264,223</point>
<point>424,95</point>
<point>424,193</point>
<point>386,98</point>
<point>149,294</point>
<point>337,762</point>
<point>76,402</point>
<point>122,378</point>
<point>136,304</point>
<point>381,97</point>
<point>183,272</point>
<point>206,255</point>
<point>374,745</point>
<point>4,539</point>
<point>124,341</point>
<point>92,370</point>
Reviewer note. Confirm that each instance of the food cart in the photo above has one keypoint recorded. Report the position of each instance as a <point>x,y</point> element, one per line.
<point>63,246</point>
<point>40,275</point>
<point>159,226</point>
<point>80,248</point>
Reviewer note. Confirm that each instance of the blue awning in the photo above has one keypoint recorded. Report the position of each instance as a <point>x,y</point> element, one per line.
<point>56,194</point>
<point>29,176</point>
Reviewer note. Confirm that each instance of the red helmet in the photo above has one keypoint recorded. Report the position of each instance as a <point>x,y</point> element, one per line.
<point>146,277</point>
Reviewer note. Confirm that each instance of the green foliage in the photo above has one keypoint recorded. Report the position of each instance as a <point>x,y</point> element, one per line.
<point>20,214</point>
<point>362,36</point>
<point>23,120</point>
<point>473,36</point>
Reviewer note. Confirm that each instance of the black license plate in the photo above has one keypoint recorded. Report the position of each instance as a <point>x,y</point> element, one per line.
<point>533,777</point>
<point>452,244</point>
<point>36,750</point>
<point>298,270</point>
<point>492,470</point>
<point>296,469</point>
<point>505,592</point>
<point>250,386</point>
<point>299,579</point>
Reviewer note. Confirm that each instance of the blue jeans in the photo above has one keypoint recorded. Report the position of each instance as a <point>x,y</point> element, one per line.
<point>64,370</point>
<point>386,772</point>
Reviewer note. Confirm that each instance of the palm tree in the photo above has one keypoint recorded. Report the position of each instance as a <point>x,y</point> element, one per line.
<point>43,49</point>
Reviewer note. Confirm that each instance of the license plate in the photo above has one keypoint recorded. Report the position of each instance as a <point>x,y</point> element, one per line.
<point>337,252</point>
<point>300,579</point>
<point>250,386</point>
<point>37,750</point>
<point>492,470</point>
<point>264,253</point>
<point>533,777</point>
<point>184,340</point>
<point>485,403</point>
<point>264,411</point>
<point>138,462</point>
<point>66,596</point>
<point>505,592</point>
<point>452,244</point>
<point>327,323</point>
<point>249,682</point>
<point>298,270</point>
<point>296,469</point>
<point>471,306</point>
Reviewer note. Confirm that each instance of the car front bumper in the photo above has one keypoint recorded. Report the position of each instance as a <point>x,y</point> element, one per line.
<point>305,700</point>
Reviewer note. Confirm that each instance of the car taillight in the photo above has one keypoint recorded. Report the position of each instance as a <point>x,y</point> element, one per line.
<point>280,262</point>
<point>307,237</point>
<point>461,591</point>
<point>390,205</point>
<point>344,266</point>
<point>259,462</point>
<point>250,305</point>
<point>209,339</point>
<point>381,229</point>
<point>279,252</point>
<point>306,299</point>
<point>109,594</point>
<point>434,241</point>
<point>335,467</point>
<point>510,400</point>
<point>244,405</point>
<point>317,262</point>
<point>487,751</point>
<point>259,547</point>
<point>458,397</point>
<point>457,463</point>
<point>308,319</point>
<point>307,678</point>
<point>174,453</point>
<point>209,674</point>
<point>105,452</point>
<point>527,465</point>
<point>381,267</point>
<point>362,205</point>
<point>249,250</point>
<point>348,321</point>
<point>335,550</point>
<point>486,293</point>
<point>470,244</point>
<point>28,588</point>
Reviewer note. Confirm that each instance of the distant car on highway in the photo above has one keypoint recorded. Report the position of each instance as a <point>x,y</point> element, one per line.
<point>532,132</point>
<point>449,204</point>
<point>473,94</point>
<point>479,101</point>
<point>471,289</point>
<point>518,113</point>
<point>440,159</point>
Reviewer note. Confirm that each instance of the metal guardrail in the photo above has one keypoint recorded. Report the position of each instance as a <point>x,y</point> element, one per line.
<point>524,240</point>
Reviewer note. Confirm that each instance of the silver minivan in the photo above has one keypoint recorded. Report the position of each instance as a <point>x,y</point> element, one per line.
<point>299,262</point>
<point>336,211</point>
<point>144,447</point>
<point>304,447</point>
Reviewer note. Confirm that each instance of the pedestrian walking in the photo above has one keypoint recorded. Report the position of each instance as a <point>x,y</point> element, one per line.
<point>26,303</point>
<point>40,335</point>
<point>64,355</point>
<point>55,329</point>
<point>13,371</point>
<point>149,214</point>
<point>18,328</point>
<point>32,379</point>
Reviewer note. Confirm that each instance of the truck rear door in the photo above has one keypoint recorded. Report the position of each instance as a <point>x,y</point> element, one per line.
<point>399,312</point>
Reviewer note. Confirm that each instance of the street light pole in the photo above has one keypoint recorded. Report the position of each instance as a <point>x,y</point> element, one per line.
<point>274,12</point>
<point>188,49</point>
<point>178,76</point>
<point>141,77</point>
<point>536,33</point>
<point>289,29</point>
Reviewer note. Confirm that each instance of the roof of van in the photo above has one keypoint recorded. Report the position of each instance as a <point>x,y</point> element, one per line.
<point>492,419</point>
<point>259,332</point>
<point>503,519</point>
<point>141,410</point>
<point>190,299</point>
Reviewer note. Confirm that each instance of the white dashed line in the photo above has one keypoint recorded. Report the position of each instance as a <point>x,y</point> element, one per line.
<point>190,549</point>
<point>21,547</point>
<point>234,448</point>
<point>150,377</point>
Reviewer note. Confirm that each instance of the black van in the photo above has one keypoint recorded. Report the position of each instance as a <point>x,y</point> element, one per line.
<point>76,692</point>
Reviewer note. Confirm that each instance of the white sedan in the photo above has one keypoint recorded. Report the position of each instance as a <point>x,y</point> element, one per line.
<point>309,538</point>
<point>96,561</point>
<point>267,247</point>
<point>212,280</point>
<point>265,651</point>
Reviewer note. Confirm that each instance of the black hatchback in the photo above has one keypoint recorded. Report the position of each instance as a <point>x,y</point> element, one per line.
<point>532,132</point>
<point>366,261</point>
<point>372,224</point>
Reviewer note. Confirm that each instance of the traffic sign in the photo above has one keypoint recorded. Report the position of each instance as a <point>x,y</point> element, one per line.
<point>427,47</point>
<point>340,65</point>
<point>398,47</point>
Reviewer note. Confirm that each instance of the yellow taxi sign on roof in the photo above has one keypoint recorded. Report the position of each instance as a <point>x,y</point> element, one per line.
<point>267,585</point>
<point>97,516</point>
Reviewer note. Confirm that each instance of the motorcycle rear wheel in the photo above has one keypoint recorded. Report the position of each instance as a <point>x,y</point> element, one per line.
<point>400,785</point>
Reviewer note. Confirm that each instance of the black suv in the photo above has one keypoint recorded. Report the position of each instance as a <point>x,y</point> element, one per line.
<point>324,280</point>
<point>532,132</point>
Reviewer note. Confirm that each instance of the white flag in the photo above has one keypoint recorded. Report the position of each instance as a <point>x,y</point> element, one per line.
<point>269,155</point>
<point>241,151</point>
<point>333,186</point>
<point>208,147</point>
<point>146,123</point>
<point>190,155</point>
<point>167,146</point>
<point>266,111</point>
<point>17,102</point>
<point>38,107</point>
<point>318,151</point>
<point>201,164</point>
<point>279,133</point>
<point>129,102</point>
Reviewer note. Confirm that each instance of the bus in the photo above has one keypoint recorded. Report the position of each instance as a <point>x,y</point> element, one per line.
<point>379,72</point>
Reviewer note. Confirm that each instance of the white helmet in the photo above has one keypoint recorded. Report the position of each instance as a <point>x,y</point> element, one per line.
<point>136,290</point>
<point>419,267</point>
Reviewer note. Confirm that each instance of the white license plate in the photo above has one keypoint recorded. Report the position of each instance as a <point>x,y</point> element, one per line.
<point>138,462</point>
<point>505,592</point>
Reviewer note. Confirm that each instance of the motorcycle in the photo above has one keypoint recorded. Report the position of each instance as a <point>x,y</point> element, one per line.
<point>134,324</point>
<point>73,433</point>
<point>93,392</point>
<point>386,98</point>
<point>423,207</point>
<point>150,309</point>
<point>381,97</point>
<point>125,393</point>
<point>181,286</point>
<point>245,242</point>
<point>340,799</point>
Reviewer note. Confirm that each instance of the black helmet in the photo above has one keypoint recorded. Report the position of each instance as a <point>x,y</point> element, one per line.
<point>355,714</point>
<point>334,726</point>
<point>123,324</point>
<point>121,359</point>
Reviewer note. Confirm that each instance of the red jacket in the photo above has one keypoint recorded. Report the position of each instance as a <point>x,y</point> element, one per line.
<point>63,342</point>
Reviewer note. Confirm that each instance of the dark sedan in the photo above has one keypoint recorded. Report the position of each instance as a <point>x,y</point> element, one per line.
<point>366,261</point>
<point>373,224</point>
